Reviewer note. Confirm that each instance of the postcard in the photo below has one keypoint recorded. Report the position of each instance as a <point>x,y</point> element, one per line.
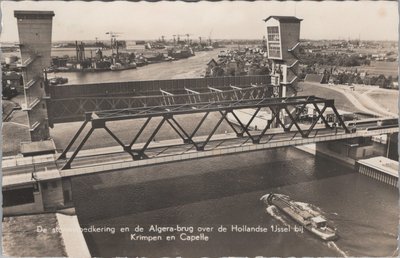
<point>202,129</point>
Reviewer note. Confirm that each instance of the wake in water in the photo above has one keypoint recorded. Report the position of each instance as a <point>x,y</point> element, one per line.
<point>274,212</point>
<point>333,245</point>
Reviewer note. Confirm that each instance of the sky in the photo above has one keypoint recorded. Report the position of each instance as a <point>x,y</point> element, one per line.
<point>367,20</point>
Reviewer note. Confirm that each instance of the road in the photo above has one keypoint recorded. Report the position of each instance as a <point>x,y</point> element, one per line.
<point>359,99</point>
<point>171,147</point>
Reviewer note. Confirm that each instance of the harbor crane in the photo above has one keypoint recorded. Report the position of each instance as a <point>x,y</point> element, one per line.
<point>113,40</point>
<point>179,37</point>
<point>209,37</point>
<point>188,39</point>
<point>174,39</point>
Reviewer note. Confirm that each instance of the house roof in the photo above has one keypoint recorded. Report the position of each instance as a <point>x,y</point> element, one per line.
<point>212,61</point>
<point>284,18</point>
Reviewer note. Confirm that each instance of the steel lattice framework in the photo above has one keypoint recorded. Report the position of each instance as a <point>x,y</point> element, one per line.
<point>291,108</point>
<point>73,109</point>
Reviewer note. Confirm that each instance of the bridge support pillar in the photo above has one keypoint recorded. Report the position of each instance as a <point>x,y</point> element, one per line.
<point>56,194</point>
<point>350,150</point>
<point>392,142</point>
<point>38,197</point>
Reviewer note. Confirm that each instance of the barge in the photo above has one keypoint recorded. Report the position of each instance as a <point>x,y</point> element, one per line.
<point>311,220</point>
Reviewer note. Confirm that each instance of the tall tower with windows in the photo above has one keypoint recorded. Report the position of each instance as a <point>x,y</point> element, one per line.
<point>283,39</point>
<point>34,29</point>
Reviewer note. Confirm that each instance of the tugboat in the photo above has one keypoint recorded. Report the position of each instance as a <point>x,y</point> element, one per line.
<point>311,220</point>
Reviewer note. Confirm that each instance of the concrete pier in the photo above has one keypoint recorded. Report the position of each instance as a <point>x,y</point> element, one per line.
<point>380,168</point>
<point>43,235</point>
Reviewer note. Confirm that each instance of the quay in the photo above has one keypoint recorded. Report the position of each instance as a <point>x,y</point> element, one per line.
<point>380,168</point>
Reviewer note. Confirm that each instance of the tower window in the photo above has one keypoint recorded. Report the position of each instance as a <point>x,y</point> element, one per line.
<point>273,33</point>
<point>274,50</point>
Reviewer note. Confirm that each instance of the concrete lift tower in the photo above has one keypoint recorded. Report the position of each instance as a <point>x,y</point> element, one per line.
<point>34,29</point>
<point>283,39</point>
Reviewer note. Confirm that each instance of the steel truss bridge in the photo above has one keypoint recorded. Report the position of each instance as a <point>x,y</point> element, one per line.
<point>152,112</point>
<point>285,113</point>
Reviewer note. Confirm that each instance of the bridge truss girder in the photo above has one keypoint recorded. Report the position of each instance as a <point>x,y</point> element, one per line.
<point>66,110</point>
<point>291,107</point>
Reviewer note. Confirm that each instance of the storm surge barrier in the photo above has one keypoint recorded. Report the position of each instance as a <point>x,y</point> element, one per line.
<point>68,103</point>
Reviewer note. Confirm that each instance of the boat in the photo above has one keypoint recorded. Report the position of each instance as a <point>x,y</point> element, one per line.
<point>180,53</point>
<point>120,67</point>
<point>310,219</point>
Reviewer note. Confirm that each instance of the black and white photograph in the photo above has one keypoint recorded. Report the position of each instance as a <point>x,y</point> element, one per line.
<point>200,129</point>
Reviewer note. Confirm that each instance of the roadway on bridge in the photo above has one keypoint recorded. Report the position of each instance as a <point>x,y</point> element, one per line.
<point>88,158</point>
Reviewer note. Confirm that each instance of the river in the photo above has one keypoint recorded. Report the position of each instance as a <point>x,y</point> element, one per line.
<point>184,68</point>
<point>225,191</point>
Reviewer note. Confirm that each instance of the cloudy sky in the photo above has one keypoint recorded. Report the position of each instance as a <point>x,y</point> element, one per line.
<point>369,20</point>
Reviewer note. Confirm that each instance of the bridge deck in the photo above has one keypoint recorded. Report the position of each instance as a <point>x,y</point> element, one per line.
<point>19,170</point>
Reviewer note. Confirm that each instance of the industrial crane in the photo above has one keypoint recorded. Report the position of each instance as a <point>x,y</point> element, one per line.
<point>188,35</point>
<point>113,36</point>
<point>178,37</point>
<point>209,37</point>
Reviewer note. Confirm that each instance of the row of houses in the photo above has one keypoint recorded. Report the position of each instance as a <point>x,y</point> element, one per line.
<point>352,76</point>
<point>247,61</point>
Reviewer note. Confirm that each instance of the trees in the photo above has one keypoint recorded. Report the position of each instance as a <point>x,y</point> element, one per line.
<point>333,59</point>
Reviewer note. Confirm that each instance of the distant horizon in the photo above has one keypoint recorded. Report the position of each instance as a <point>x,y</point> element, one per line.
<point>369,21</point>
<point>216,39</point>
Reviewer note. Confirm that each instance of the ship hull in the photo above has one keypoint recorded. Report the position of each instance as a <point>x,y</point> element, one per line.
<point>300,216</point>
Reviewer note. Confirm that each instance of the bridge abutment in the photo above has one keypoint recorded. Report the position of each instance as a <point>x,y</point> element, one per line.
<point>38,197</point>
<point>348,151</point>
